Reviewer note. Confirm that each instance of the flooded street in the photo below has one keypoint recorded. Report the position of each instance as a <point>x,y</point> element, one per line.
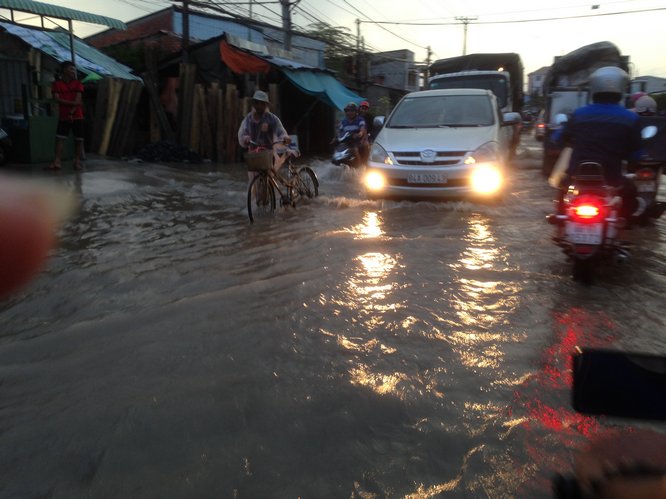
<point>345,348</point>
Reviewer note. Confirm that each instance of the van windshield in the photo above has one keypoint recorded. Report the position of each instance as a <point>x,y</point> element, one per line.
<point>442,110</point>
<point>496,83</point>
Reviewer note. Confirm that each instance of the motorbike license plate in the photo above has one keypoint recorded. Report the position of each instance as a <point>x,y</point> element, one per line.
<point>584,233</point>
<point>426,178</point>
<point>646,186</point>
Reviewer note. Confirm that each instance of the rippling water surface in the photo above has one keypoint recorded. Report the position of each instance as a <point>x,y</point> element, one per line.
<point>347,348</point>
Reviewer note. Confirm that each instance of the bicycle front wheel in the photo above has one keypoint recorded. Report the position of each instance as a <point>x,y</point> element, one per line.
<point>307,184</point>
<point>260,197</point>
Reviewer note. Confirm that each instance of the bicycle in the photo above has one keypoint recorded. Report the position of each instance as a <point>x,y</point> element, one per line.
<point>294,185</point>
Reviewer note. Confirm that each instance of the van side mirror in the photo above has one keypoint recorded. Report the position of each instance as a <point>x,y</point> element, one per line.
<point>511,118</point>
<point>378,123</point>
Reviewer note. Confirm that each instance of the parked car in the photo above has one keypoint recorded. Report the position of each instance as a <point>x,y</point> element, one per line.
<point>5,145</point>
<point>442,144</point>
<point>540,126</point>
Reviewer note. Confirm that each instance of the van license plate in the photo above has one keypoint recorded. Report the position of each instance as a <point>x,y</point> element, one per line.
<point>425,178</point>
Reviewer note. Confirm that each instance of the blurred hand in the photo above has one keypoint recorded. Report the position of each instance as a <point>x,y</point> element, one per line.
<point>29,216</point>
<point>608,467</point>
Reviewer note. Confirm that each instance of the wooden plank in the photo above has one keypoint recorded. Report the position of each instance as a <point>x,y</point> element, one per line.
<point>233,107</point>
<point>119,122</point>
<point>206,132</point>
<point>127,125</point>
<point>185,102</point>
<point>194,140</point>
<point>157,110</point>
<point>212,94</point>
<point>101,108</point>
<point>219,131</point>
<point>112,108</point>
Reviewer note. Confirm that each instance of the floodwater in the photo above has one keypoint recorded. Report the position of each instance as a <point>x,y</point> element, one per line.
<point>345,348</point>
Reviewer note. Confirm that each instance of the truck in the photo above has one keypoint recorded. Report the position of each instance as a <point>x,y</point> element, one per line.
<point>501,73</point>
<point>566,88</point>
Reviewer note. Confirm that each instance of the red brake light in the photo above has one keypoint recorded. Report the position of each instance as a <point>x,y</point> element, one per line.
<point>587,209</point>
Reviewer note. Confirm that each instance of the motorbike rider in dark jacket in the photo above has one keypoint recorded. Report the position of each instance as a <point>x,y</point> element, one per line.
<point>607,133</point>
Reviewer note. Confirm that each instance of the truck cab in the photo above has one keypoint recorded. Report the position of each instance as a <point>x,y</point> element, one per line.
<point>498,82</point>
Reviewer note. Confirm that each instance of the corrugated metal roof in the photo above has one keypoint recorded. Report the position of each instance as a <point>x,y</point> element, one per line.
<point>45,9</point>
<point>56,44</point>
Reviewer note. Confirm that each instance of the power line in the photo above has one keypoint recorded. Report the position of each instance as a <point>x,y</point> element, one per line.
<point>562,18</point>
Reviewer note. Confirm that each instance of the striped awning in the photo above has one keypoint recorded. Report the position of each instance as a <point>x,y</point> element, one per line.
<point>45,9</point>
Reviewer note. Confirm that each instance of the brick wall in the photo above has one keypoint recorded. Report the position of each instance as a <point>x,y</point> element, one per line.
<point>140,28</point>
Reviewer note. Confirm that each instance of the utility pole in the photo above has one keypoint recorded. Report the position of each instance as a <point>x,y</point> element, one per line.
<point>286,21</point>
<point>357,68</point>
<point>465,21</point>
<point>185,42</point>
<point>426,72</point>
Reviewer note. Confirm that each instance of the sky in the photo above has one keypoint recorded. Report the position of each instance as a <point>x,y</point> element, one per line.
<point>536,30</point>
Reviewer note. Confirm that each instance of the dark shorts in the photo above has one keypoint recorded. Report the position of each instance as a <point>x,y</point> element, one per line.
<point>65,127</point>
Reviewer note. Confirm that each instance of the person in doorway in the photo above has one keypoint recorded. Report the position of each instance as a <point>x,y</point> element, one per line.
<point>364,112</point>
<point>68,93</point>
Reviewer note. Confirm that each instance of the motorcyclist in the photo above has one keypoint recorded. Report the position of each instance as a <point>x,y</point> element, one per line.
<point>354,125</point>
<point>645,106</point>
<point>607,133</point>
<point>364,111</point>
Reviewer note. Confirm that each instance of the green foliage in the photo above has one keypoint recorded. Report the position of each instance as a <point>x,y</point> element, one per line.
<point>340,45</point>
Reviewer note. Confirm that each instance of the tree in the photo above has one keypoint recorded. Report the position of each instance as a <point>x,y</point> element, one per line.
<point>340,51</point>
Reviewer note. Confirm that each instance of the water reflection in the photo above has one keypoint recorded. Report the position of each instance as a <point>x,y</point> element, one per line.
<point>482,306</point>
<point>370,227</point>
<point>481,251</point>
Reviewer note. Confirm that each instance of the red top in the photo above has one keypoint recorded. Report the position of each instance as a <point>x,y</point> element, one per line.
<point>67,91</point>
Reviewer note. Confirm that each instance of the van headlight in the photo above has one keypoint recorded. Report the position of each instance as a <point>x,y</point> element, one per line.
<point>488,152</point>
<point>379,155</point>
<point>374,180</point>
<point>486,178</point>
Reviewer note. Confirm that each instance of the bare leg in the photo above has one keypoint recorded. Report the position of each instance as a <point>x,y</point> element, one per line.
<point>78,154</point>
<point>56,164</point>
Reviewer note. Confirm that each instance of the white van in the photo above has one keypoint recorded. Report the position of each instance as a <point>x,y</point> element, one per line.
<point>444,144</point>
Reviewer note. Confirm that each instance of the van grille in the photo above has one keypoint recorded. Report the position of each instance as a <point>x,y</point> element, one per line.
<point>443,158</point>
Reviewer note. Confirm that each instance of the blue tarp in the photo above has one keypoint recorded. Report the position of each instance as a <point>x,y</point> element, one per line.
<point>56,44</point>
<point>324,86</point>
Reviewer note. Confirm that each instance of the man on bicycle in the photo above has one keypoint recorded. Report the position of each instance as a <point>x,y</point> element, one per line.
<point>261,127</point>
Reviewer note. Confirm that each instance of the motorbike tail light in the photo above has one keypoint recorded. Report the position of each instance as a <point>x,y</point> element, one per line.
<point>645,174</point>
<point>587,209</point>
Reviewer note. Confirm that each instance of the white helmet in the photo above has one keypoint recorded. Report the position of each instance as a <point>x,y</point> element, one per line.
<point>609,80</point>
<point>646,104</point>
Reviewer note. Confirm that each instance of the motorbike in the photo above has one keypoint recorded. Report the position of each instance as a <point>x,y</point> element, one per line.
<point>345,153</point>
<point>646,174</point>
<point>5,145</point>
<point>589,225</point>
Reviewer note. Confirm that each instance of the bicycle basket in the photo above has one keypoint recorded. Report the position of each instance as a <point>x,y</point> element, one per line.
<point>259,161</point>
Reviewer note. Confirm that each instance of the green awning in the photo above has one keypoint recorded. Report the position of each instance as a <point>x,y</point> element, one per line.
<point>45,9</point>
